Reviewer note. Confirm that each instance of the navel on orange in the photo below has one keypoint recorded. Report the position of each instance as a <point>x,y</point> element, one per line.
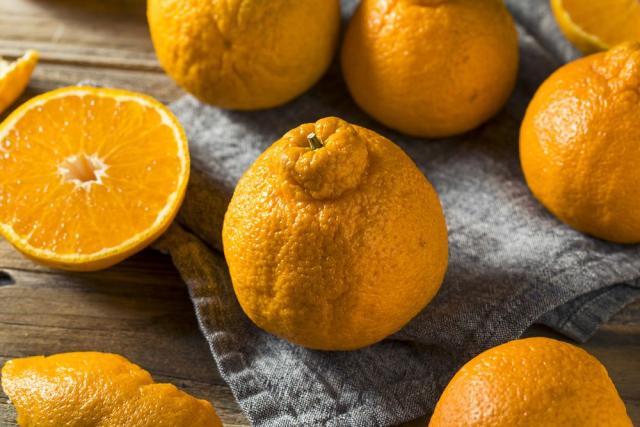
<point>89,176</point>
<point>598,25</point>
<point>14,77</point>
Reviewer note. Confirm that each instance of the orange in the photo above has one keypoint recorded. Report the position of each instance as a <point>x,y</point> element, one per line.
<point>14,77</point>
<point>531,382</point>
<point>244,55</point>
<point>431,68</point>
<point>334,238</point>
<point>97,390</point>
<point>580,144</point>
<point>597,25</point>
<point>89,176</point>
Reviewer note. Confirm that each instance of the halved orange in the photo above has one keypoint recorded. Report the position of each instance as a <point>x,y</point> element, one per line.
<point>90,175</point>
<point>598,25</point>
<point>14,77</point>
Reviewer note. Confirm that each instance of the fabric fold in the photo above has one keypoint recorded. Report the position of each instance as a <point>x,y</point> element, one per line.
<point>512,263</point>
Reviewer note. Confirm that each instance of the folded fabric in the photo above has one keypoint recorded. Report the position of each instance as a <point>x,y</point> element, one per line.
<point>512,263</point>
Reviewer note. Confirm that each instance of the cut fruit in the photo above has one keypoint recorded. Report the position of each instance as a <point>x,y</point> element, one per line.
<point>90,176</point>
<point>14,77</point>
<point>593,26</point>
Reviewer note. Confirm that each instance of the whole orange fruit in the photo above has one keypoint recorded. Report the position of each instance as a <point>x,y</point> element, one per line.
<point>580,144</point>
<point>98,390</point>
<point>431,68</point>
<point>334,238</point>
<point>531,382</point>
<point>244,55</point>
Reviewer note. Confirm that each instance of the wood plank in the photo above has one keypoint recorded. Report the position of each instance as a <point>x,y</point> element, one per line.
<point>52,76</point>
<point>85,24</point>
<point>105,42</point>
<point>140,308</point>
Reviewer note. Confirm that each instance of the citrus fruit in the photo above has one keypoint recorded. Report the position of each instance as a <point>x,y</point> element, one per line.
<point>334,238</point>
<point>97,390</point>
<point>580,144</point>
<point>431,68</point>
<point>531,382</point>
<point>244,55</point>
<point>14,77</point>
<point>598,25</point>
<point>89,176</point>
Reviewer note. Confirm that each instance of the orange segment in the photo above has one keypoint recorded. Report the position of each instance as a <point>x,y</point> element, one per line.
<point>90,176</point>
<point>14,77</point>
<point>598,25</point>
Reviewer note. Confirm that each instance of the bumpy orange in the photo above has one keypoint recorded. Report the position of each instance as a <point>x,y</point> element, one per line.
<point>337,241</point>
<point>531,382</point>
<point>97,390</point>
<point>431,68</point>
<point>580,144</point>
<point>244,55</point>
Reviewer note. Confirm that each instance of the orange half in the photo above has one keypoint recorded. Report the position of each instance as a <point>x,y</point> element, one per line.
<point>598,25</point>
<point>15,76</point>
<point>90,175</point>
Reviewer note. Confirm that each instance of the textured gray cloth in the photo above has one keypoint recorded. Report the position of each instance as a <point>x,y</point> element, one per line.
<point>512,264</point>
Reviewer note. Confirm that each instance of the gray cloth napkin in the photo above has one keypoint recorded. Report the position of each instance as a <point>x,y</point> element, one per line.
<point>512,263</point>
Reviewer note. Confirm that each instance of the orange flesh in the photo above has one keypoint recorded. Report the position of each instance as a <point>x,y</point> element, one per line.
<point>612,21</point>
<point>83,173</point>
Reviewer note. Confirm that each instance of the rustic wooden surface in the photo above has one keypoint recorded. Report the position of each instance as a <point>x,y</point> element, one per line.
<point>140,309</point>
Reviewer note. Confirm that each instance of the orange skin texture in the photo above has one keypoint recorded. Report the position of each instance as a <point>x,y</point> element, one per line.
<point>244,55</point>
<point>334,248</point>
<point>409,64</point>
<point>580,144</point>
<point>531,382</point>
<point>97,390</point>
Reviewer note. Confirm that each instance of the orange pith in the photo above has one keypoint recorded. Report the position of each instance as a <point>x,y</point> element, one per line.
<point>89,175</point>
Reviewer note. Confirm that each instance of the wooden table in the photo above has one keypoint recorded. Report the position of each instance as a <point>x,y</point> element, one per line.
<point>140,308</point>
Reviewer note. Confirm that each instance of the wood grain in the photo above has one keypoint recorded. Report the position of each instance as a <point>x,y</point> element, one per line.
<point>104,41</point>
<point>140,308</point>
